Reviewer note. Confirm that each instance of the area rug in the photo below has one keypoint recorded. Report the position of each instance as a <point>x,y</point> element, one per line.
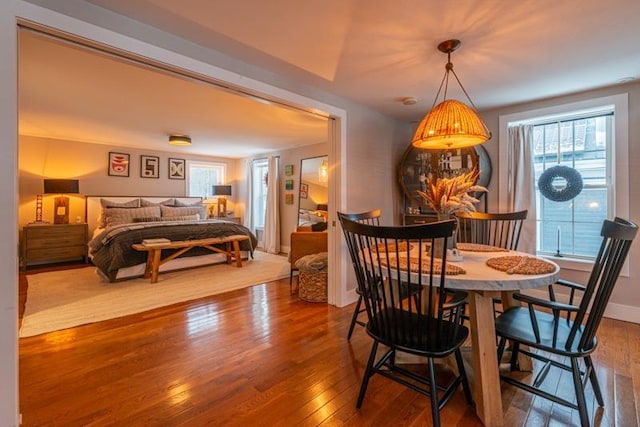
<point>67,298</point>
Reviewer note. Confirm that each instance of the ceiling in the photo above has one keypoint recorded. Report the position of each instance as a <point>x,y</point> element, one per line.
<point>374,52</point>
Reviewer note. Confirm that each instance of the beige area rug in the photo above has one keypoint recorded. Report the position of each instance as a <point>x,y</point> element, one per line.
<point>67,298</point>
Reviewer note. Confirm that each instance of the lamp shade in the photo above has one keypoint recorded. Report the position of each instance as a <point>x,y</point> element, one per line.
<point>61,186</point>
<point>450,124</point>
<point>221,190</point>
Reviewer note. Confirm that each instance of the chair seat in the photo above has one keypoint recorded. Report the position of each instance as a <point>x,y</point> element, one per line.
<point>515,324</point>
<point>429,337</point>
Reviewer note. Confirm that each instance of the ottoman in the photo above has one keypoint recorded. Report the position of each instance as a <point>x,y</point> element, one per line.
<point>312,271</point>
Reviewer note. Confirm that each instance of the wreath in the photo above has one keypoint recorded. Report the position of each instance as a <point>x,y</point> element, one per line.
<point>571,190</point>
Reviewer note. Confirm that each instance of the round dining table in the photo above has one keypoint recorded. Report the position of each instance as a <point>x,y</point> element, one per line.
<point>483,283</point>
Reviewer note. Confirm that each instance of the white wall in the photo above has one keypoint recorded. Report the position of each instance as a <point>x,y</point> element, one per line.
<point>9,215</point>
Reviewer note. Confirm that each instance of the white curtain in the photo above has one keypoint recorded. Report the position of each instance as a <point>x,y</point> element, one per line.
<point>248,202</point>
<point>520,186</point>
<point>272,216</point>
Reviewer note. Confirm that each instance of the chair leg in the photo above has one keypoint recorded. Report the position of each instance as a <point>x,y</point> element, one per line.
<point>501,345</point>
<point>354,319</point>
<point>368,372</point>
<point>594,380</point>
<point>435,412</point>
<point>515,349</point>
<point>580,399</point>
<point>463,377</point>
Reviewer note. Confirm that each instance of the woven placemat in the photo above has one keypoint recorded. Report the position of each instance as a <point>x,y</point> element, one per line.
<point>451,270</point>
<point>391,247</point>
<point>514,264</point>
<point>476,247</point>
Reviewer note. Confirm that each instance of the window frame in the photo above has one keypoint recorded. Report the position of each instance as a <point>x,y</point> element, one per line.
<point>619,150</point>
<point>201,163</point>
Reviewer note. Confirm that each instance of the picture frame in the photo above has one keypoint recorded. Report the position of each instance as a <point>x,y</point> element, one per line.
<point>288,184</point>
<point>149,167</point>
<point>118,164</point>
<point>288,170</point>
<point>176,168</point>
<point>288,198</point>
<point>304,191</point>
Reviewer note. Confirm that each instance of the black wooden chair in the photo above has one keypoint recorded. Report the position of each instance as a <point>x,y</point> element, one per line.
<point>495,229</point>
<point>574,335</point>
<point>371,218</point>
<point>386,261</point>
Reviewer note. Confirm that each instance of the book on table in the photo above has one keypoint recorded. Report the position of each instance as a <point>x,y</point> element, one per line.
<point>159,241</point>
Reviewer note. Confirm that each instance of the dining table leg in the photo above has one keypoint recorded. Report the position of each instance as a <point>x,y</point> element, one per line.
<point>484,360</point>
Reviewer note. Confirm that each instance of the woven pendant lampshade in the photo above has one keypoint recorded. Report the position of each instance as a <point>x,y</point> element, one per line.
<point>450,124</point>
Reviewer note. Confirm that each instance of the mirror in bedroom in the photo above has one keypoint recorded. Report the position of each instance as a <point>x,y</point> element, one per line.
<point>313,194</point>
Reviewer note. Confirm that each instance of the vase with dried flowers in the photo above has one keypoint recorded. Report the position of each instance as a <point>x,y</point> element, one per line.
<point>446,196</point>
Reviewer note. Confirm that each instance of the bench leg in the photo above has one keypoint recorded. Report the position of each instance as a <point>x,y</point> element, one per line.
<point>155,266</point>
<point>147,268</point>
<point>236,250</point>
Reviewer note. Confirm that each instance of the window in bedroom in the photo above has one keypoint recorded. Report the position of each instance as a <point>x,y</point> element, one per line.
<point>259,190</point>
<point>202,176</point>
<point>591,137</point>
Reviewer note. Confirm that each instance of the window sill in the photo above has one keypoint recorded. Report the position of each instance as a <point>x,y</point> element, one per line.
<point>567,263</point>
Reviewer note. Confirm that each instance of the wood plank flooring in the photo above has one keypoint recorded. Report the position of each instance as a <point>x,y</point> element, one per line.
<point>261,357</point>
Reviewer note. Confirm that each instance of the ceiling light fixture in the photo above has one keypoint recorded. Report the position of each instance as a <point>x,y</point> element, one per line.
<point>451,123</point>
<point>181,140</point>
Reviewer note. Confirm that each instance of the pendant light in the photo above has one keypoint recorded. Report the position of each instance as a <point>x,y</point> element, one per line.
<point>450,124</point>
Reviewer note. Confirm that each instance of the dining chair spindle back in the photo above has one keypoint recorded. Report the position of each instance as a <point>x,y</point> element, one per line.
<point>388,268</point>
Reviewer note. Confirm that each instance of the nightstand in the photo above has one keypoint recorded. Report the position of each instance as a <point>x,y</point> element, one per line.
<point>50,243</point>
<point>235,219</point>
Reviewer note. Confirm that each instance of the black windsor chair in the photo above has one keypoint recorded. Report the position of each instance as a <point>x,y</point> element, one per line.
<point>573,336</point>
<point>389,263</point>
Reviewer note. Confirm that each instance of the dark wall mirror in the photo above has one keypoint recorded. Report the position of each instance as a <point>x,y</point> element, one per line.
<point>419,164</point>
<point>313,193</point>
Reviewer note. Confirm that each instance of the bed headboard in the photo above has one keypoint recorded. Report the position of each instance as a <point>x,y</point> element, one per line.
<point>93,206</point>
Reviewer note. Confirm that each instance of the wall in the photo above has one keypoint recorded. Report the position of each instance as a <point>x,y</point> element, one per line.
<point>317,194</point>
<point>41,158</point>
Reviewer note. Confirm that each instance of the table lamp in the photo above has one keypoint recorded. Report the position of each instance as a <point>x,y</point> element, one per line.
<point>61,205</point>
<point>222,190</point>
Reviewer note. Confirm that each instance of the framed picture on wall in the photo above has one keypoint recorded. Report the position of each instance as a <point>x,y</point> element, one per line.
<point>176,168</point>
<point>288,184</point>
<point>288,170</point>
<point>118,164</point>
<point>304,191</point>
<point>149,167</point>
<point>288,198</point>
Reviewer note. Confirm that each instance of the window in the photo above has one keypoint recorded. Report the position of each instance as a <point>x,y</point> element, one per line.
<point>202,176</point>
<point>572,228</point>
<point>259,188</point>
<point>592,137</point>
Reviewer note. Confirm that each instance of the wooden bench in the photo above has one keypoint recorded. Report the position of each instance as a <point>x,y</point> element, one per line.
<point>154,251</point>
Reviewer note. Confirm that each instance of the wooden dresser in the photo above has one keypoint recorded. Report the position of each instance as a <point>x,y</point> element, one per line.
<point>53,243</point>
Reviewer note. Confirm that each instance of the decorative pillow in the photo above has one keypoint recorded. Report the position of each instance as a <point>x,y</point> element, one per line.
<point>115,216</point>
<point>148,219</point>
<point>168,202</point>
<point>135,203</point>
<point>183,204</point>
<point>193,217</point>
<point>200,209</point>
<point>102,221</point>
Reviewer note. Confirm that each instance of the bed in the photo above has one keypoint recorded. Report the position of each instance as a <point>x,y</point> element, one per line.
<point>116,223</point>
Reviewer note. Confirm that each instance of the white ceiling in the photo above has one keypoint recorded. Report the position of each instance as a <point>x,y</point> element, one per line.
<point>374,52</point>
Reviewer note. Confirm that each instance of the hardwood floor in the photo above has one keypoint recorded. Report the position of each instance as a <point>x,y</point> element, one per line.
<point>260,356</point>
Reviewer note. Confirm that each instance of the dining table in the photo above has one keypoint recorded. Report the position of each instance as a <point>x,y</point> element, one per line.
<point>483,283</point>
